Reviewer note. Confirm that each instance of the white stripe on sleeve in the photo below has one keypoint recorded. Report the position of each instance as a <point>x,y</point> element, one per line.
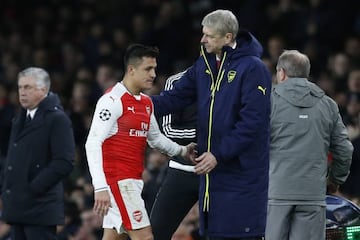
<point>158,140</point>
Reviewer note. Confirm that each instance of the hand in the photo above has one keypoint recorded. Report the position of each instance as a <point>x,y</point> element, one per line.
<point>102,203</point>
<point>205,163</point>
<point>332,187</point>
<point>191,152</point>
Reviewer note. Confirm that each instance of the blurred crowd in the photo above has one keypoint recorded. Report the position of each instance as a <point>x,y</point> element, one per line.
<point>81,44</point>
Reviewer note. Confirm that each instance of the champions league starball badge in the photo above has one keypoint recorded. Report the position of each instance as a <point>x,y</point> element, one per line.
<point>105,114</point>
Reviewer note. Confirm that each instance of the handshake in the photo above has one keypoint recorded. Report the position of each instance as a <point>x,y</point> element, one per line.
<point>203,163</point>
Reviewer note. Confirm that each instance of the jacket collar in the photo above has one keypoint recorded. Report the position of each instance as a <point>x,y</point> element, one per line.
<point>49,103</point>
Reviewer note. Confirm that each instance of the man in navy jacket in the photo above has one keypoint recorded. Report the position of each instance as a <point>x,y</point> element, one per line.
<point>231,86</point>
<point>40,155</point>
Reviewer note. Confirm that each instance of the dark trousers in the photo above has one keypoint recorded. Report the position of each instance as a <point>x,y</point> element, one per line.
<point>177,195</point>
<point>33,232</point>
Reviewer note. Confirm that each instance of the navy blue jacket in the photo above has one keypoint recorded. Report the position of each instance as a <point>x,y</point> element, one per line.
<point>40,156</point>
<point>233,124</point>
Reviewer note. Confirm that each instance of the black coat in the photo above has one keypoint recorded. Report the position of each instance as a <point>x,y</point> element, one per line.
<point>40,156</point>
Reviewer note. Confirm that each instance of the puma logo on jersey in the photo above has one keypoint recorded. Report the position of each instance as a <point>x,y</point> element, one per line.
<point>112,98</point>
<point>263,90</point>
<point>132,109</point>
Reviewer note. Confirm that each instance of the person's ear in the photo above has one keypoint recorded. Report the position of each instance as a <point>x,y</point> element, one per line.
<point>283,75</point>
<point>130,68</point>
<point>228,38</point>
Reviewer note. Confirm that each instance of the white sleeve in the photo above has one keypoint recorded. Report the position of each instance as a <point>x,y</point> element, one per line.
<point>157,140</point>
<point>105,117</point>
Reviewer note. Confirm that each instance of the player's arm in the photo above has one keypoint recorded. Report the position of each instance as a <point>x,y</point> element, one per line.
<point>157,140</point>
<point>106,113</point>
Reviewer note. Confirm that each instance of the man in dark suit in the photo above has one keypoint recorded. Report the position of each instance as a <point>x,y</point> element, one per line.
<point>40,155</point>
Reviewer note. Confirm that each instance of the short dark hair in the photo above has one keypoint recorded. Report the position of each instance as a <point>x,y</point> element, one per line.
<point>135,52</point>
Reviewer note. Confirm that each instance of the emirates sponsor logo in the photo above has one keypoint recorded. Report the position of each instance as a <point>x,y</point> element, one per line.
<point>137,215</point>
<point>137,133</point>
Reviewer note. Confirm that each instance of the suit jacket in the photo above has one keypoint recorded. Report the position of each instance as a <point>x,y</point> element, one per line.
<point>40,156</point>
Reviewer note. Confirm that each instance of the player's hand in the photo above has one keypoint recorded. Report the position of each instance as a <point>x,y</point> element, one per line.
<point>191,152</point>
<point>205,163</point>
<point>102,203</point>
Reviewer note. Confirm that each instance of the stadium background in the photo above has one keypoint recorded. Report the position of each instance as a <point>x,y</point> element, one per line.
<point>81,43</point>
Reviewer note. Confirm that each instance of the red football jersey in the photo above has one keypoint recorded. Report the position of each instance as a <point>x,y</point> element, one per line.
<point>122,124</point>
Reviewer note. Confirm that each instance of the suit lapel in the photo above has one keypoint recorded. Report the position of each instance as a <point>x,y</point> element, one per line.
<point>24,129</point>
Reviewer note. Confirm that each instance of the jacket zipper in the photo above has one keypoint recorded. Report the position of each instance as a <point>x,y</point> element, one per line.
<point>215,86</point>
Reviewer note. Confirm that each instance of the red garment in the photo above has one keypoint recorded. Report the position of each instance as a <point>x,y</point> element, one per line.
<point>123,153</point>
<point>217,64</point>
<point>121,127</point>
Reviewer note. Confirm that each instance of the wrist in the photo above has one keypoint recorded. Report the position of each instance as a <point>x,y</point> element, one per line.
<point>106,188</point>
<point>183,151</point>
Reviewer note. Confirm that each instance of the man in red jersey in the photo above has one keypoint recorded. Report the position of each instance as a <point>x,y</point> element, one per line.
<point>122,125</point>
